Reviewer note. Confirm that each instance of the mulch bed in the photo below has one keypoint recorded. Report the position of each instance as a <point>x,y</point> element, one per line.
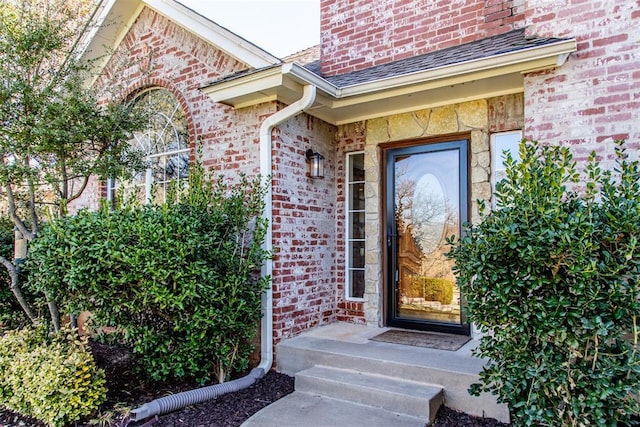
<point>128,390</point>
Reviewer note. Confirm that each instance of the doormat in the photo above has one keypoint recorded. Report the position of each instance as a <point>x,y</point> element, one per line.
<point>423,339</point>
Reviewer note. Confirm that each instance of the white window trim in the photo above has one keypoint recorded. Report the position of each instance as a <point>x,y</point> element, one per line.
<point>497,158</point>
<point>149,178</point>
<point>347,249</point>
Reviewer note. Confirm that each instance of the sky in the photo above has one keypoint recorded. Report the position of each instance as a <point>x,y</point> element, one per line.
<point>281,27</point>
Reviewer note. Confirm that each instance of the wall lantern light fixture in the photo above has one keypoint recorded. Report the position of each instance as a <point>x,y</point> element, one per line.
<point>316,164</point>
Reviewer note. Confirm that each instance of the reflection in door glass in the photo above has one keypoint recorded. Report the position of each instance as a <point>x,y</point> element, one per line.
<point>427,194</point>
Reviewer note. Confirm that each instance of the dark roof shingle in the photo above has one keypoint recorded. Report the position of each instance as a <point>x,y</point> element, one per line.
<point>509,42</point>
<point>491,46</point>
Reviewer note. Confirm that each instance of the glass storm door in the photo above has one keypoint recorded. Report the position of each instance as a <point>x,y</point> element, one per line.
<point>426,201</point>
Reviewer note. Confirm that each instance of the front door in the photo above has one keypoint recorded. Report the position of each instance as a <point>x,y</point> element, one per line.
<point>426,201</point>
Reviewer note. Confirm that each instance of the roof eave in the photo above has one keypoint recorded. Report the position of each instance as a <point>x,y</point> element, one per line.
<point>113,19</point>
<point>524,61</point>
<point>234,45</point>
<point>344,105</point>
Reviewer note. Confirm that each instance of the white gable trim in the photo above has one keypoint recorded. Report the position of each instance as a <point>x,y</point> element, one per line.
<point>113,19</point>
<point>234,45</point>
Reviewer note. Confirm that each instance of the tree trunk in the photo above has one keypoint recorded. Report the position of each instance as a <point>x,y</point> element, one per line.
<point>15,288</point>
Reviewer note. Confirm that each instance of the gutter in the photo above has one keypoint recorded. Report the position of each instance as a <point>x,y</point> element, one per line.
<point>336,102</point>
<point>173,402</point>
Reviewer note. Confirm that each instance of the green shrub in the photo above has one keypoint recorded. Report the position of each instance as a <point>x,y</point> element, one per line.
<point>554,276</point>
<point>432,289</point>
<point>52,378</point>
<point>178,280</point>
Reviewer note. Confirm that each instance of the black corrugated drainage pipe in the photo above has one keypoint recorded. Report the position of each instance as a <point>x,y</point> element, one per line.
<point>171,403</point>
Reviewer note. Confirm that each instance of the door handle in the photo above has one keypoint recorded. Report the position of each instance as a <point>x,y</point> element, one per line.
<point>390,236</point>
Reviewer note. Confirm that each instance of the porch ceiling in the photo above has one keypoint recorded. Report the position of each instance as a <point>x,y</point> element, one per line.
<point>344,100</point>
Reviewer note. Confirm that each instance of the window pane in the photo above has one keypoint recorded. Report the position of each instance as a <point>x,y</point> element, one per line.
<point>356,225</point>
<point>356,172</point>
<point>356,192</point>
<point>355,206</point>
<point>357,254</point>
<point>357,283</point>
<point>501,143</point>
<point>164,142</point>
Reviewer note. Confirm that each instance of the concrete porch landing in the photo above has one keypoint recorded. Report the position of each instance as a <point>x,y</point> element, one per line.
<point>343,378</point>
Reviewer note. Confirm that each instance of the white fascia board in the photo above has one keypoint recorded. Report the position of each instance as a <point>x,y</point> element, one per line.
<point>304,76</point>
<point>238,92</point>
<point>528,60</point>
<point>107,29</point>
<point>97,20</point>
<point>234,45</point>
<point>268,79</point>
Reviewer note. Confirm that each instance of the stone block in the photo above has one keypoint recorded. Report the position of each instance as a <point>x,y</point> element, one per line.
<point>479,141</point>
<point>481,191</point>
<point>377,131</point>
<point>479,174</point>
<point>482,159</point>
<point>443,120</point>
<point>474,114</point>
<point>404,126</point>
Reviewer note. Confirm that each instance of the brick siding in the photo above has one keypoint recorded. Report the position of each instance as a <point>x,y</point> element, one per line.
<point>304,228</point>
<point>158,53</point>
<point>594,98</point>
<point>589,101</point>
<point>357,34</point>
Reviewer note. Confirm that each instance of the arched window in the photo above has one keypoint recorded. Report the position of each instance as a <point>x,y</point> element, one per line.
<point>164,144</point>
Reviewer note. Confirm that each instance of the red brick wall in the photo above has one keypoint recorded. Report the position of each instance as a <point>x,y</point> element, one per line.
<point>357,34</point>
<point>506,113</point>
<point>158,53</point>
<point>304,228</point>
<point>594,98</point>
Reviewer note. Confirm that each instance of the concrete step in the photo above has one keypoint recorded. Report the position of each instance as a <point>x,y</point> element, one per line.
<point>402,396</point>
<point>348,347</point>
<point>306,409</point>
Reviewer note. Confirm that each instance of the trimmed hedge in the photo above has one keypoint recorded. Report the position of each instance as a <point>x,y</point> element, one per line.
<point>432,289</point>
<point>554,275</point>
<point>178,281</point>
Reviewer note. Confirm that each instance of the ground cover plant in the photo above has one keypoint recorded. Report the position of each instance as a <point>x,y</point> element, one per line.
<point>552,277</point>
<point>50,377</point>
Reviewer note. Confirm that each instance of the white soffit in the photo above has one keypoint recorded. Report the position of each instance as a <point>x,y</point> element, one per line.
<point>465,81</point>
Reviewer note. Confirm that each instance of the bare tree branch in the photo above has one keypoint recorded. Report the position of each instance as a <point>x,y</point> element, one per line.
<point>73,197</point>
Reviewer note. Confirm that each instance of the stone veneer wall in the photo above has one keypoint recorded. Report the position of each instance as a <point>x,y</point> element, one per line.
<point>478,118</point>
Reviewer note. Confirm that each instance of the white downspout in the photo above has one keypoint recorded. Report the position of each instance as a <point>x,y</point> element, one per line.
<point>266,164</point>
<point>173,402</point>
